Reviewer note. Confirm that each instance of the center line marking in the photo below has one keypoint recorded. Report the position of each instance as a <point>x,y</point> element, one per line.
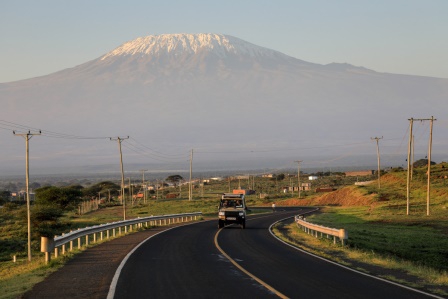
<point>245,271</point>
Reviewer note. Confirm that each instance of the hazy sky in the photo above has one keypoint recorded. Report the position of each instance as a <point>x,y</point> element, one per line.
<point>399,36</point>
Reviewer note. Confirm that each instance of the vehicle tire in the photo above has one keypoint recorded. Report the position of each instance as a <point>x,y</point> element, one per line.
<point>220,224</point>
<point>243,224</point>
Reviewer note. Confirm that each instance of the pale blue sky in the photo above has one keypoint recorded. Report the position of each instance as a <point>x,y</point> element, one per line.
<point>396,36</point>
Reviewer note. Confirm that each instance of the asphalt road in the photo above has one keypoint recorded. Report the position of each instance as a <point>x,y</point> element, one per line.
<point>185,263</point>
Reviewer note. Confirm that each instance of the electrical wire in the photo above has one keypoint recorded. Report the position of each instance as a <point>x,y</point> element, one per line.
<point>50,134</point>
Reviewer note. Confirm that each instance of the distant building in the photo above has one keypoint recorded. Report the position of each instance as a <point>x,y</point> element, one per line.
<point>313,177</point>
<point>217,179</point>
<point>267,175</point>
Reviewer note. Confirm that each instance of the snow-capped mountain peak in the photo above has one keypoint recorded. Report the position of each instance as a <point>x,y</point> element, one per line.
<point>219,44</point>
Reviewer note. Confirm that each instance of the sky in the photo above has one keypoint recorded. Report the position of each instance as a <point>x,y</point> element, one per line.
<point>401,36</point>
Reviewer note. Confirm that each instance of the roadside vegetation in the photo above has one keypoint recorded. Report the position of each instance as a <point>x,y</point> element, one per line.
<point>380,232</point>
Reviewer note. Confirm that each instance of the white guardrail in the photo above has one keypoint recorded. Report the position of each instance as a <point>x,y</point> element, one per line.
<point>91,234</point>
<point>314,230</point>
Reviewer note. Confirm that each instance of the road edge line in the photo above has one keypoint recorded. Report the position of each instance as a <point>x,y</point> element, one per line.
<point>113,284</point>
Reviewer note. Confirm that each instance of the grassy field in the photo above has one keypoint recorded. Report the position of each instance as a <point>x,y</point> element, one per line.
<point>380,232</point>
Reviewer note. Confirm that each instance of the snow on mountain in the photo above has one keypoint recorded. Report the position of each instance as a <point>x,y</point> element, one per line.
<point>177,44</point>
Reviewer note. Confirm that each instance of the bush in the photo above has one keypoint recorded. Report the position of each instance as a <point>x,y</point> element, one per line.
<point>45,219</point>
<point>10,206</point>
<point>65,198</point>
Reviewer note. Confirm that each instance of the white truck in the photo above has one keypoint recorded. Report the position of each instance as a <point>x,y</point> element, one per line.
<point>232,209</point>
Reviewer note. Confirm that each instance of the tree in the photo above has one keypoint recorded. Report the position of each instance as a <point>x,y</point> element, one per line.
<point>5,196</point>
<point>175,179</point>
<point>64,198</point>
<point>422,162</point>
<point>49,207</point>
<point>280,176</point>
<point>45,219</point>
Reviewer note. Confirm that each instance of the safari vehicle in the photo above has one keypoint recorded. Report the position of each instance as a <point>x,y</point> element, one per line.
<point>232,209</point>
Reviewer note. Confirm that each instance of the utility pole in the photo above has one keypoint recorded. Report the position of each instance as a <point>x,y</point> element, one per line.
<point>429,165</point>
<point>298,175</point>
<point>119,140</point>
<point>411,144</point>
<point>408,188</point>
<point>27,137</point>
<point>412,156</point>
<point>291,186</point>
<point>143,184</point>
<point>190,193</point>
<point>131,197</point>
<point>378,156</point>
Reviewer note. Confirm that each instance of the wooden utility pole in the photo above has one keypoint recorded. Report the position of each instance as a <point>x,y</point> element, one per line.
<point>429,165</point>
<point>27,137</point>
<point>298,175</point>
<point>143,184</point>
<point>412,156</point>
<point>119,140</point>
<point>408,188</point>
<point>411,144</point>
<point>378,157</point>
<point>190,193</point>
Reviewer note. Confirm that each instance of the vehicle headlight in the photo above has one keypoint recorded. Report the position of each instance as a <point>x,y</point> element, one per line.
<point>221,213</point>
<point>241,213</point>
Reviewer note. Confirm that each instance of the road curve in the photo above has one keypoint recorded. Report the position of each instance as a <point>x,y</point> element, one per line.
<point>185,263</point>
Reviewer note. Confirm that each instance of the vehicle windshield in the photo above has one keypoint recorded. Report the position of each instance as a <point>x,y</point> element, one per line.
<point>231,203</point>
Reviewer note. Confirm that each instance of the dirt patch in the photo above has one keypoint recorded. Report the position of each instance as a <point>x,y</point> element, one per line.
<point>348,196</point>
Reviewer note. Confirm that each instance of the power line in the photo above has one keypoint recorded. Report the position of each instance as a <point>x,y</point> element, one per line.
<point>51,134</point>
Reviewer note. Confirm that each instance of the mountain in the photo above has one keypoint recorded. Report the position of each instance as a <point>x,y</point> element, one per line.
<point>217,93</point>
